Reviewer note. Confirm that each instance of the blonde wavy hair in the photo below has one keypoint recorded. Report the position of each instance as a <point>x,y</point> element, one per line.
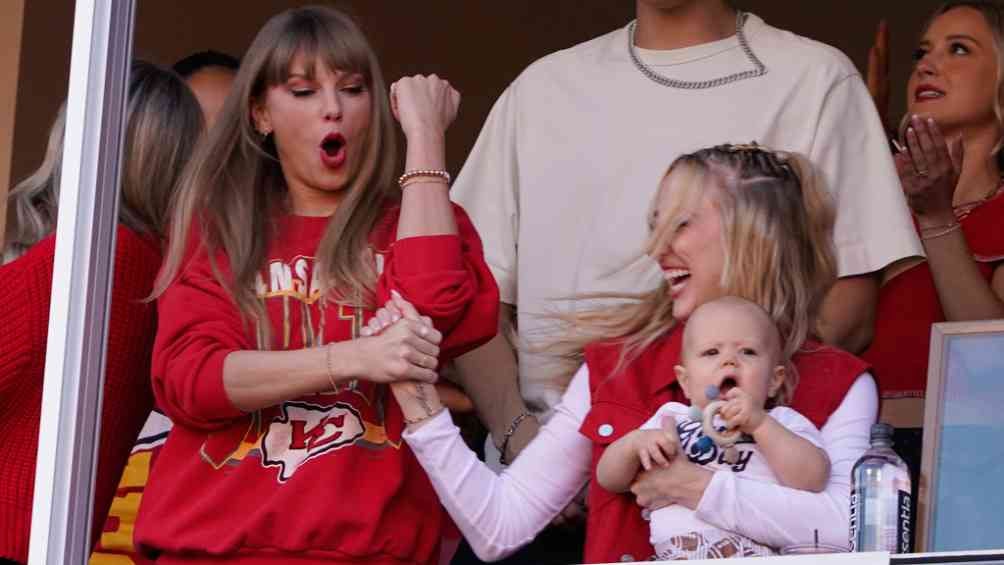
<point>164,123</point>
<point>234,184</point>
<point>777,227</point>
<point>993,13</point>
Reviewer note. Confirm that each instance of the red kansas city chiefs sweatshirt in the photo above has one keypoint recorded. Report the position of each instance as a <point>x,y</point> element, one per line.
<point>321,479</point>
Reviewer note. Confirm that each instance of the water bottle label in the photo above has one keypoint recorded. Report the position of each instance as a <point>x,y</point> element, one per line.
<point>880,523</point>
<point>854,520</point>
<point>904,522</point>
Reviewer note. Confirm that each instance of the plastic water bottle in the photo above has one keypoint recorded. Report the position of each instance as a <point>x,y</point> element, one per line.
<point>880,497</point>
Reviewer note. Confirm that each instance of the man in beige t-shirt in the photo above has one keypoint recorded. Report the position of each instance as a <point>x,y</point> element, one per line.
<point>563,172</point>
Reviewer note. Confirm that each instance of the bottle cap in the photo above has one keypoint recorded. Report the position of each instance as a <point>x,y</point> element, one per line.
<point>882,432</point>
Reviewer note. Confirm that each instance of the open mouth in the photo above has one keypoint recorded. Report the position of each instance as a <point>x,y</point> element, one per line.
<point>333,150</point>
<point>926,92</point>
<point>727,384</point>
<point>677,279</point>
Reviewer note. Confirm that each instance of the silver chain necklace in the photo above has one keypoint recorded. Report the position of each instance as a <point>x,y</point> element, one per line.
<point>759,70</point>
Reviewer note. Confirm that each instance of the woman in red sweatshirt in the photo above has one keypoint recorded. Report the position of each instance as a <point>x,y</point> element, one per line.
<point>289,229</point>
<point>164,123</point>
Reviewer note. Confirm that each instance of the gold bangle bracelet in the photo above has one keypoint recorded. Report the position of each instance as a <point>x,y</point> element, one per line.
<point>401,180</point>
<point>424,180</point>
<point>939,227</point>
<point>944,232</point>
<point>327,365</point>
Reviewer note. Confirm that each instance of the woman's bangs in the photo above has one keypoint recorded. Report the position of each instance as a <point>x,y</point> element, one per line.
<point>331,44</point>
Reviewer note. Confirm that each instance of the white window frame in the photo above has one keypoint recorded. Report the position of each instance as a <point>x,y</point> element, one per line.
<point>78,316</point>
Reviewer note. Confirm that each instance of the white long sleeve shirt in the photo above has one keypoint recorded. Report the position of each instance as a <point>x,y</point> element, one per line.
<point>498,514</point>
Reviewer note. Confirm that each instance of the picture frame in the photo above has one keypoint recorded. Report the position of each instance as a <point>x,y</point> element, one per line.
<point>960,504</point>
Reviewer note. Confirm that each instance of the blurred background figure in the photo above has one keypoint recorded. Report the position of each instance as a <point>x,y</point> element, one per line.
<point>163,126</point>
<point>209,74</point>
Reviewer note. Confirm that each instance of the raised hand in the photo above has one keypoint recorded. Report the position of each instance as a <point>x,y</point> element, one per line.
<point>929,170</point>
<point>424,104</point>
<point>740,412</point>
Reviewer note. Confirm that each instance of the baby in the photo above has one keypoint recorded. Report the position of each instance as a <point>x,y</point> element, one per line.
<point>731,351</point>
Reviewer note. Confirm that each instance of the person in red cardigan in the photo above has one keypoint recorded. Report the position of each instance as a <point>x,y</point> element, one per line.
<point>289,230</point>
<point>163,124</point>
<point>729,220</point>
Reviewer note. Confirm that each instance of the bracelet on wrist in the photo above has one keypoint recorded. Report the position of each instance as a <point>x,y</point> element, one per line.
<point>327,365</point>
<point>424,400</point>
<point>424,180</point>
<point>508,435</point>
<point>402,180</point>
<point>951,224</point>
<point>424,417</point>
<point>925,236</point>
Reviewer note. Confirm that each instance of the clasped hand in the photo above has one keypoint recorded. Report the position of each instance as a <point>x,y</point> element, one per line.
<point>400,344</point>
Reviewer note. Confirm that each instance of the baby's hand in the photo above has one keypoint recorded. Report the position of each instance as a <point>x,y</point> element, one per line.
<point>654,447</point>
<point>741,412</point>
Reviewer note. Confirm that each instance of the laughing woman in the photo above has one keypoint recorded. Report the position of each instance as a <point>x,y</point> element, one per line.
<point>727,220</point>
<point>287,444</point>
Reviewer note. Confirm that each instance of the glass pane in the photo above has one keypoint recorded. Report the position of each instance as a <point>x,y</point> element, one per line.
<point>969,507</point>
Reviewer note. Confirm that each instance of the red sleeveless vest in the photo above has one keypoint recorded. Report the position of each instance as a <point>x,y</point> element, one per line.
<point>615,530</point>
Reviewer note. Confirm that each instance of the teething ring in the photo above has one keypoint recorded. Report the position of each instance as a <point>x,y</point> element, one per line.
<point>727,439</point>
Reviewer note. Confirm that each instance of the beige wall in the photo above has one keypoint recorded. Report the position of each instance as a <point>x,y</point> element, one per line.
<point>10,51</point>
<point>480,45</point>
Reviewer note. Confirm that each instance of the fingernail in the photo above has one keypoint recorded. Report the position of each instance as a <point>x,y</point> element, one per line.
<point>395,317</point>
<point>915,118</point>
<point>930,121</point>
<point>395,294</point>
<point>909,131</point>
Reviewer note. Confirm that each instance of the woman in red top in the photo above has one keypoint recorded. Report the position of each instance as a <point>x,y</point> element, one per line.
<point>728,220</point>
<point>164,123</point>
<point>951,169</point>
<point>289,228</point>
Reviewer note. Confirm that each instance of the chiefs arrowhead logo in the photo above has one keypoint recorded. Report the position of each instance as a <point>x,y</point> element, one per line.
<point>304,431</point>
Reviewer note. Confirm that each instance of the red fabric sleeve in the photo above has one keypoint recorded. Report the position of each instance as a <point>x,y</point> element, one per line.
<point>199,326</point>
<point>25,286</point>
<point>447,279</point>
<point>127,395</point>
<point>25,298</point>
